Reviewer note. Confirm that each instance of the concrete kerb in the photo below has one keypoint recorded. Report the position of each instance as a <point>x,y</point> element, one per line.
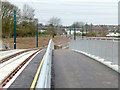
<point>107,63</point>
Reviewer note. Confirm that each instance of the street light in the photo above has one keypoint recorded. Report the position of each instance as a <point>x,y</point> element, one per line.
<point>37,34</point>
<point>82,32</point>
<point>74,32</point>
<point>91,29</point>
<point>14,29</point>
<point>86,30</point>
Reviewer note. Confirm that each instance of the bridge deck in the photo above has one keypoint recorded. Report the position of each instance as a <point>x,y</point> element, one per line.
<point>75,70</point>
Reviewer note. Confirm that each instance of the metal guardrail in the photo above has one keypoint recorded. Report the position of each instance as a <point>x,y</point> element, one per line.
<point>44,80</point>
<point>100,47</point>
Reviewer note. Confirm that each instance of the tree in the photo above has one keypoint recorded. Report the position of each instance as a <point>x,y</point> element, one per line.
<point>28,13</point>
<point>8,18</point>
<point>28,22</point>
<point>25,22</point>
<point>78,24</point>
<point>53,24</point>
<point>54,21</point>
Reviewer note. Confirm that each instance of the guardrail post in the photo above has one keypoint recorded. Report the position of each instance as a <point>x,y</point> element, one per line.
<point>113,51</point>
<point>106,50</point>
<point>100,47</point>
<point>95,47</point>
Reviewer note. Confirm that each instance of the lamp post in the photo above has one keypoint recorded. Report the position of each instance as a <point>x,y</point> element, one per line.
<point>91,29</point>
<point>82,32</point>
<point>86,30</point>
<point>74,32</point>
<point>37,34</point>
<point>0,25</point>
<point>70,31</point>
<point>14,29</point>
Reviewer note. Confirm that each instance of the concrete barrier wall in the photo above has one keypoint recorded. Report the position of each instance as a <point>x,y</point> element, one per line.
<point>44,80</point>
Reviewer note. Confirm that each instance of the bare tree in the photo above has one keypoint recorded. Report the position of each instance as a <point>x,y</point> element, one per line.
<point>78,24</point>
<point>28,13</point>
<point>8,18</point>
<point>54,21</point>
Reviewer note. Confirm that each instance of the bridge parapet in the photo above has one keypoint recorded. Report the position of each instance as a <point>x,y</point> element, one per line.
<point>44,80</point>
<point>103,48</point>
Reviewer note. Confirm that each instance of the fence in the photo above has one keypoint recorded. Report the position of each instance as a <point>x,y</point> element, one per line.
<point>101,47</point>
<point>44,80</point>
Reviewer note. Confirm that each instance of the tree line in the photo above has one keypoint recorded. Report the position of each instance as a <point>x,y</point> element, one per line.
<point>25,21</point>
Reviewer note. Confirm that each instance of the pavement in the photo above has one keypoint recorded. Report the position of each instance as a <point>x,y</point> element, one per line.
<point>25,79</point>
<point>5,54</point>
<point>75,70</point>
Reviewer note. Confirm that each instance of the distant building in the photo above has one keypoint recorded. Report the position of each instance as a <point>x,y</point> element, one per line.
<point>41,30</point>
<point>72,31</point>
<point>112,34</point>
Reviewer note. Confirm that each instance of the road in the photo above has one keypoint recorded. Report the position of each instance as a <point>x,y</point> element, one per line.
<point>75,70</point>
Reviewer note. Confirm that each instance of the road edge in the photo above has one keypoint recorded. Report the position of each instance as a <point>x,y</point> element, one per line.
<point>107,63</point>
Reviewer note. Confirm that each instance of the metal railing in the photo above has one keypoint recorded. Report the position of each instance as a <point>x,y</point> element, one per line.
<point>44,80</point>
<point>101,47</point>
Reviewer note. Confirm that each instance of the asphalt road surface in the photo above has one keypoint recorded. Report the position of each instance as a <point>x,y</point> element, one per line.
<point>75,70</point>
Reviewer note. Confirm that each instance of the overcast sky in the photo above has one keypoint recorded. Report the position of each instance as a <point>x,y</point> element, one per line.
<point>91,11</point>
